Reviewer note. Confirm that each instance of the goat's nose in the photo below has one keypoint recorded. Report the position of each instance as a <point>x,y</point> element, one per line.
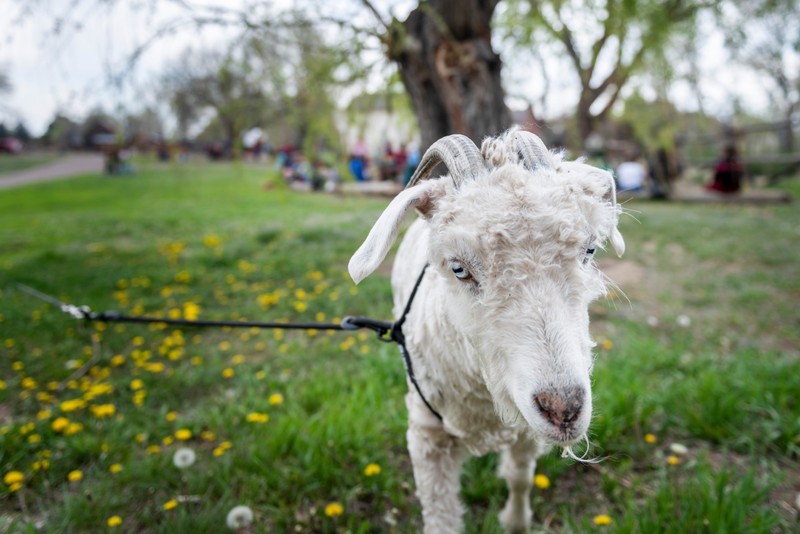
<point>560,407</point>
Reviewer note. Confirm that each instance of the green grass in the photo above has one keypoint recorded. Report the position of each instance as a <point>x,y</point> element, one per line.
<point>19,162</point>
<point>705,354</point>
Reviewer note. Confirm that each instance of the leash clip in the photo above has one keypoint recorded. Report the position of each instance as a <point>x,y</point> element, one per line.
<point>77,312</point>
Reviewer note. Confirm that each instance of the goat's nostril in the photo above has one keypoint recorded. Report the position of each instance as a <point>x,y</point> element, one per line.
<point>560,408</point>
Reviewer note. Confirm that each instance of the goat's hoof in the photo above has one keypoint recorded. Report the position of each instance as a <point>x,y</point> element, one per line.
<point>516,520</point>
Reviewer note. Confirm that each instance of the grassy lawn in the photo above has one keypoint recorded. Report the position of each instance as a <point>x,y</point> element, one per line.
<point>696,382</point>
<point>19,162</point>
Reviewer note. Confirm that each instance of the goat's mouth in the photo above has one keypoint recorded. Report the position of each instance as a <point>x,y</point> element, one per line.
<point>564,438</point>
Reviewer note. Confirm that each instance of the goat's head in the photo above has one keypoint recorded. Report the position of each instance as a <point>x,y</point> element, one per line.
<point>512,234</point>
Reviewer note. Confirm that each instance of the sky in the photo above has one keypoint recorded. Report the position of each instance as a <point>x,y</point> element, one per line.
<point>69,72</point>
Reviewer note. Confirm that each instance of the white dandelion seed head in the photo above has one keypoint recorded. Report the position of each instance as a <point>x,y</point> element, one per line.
<point>678,448</point>
<point>652,320</point>
<point>183,458</point>
<point>683,321</point>
<point>240,516</point>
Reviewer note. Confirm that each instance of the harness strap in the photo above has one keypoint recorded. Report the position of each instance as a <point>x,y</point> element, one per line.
<point>396,335</point>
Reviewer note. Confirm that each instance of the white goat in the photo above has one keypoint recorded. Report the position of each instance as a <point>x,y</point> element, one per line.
<point>499,330</point>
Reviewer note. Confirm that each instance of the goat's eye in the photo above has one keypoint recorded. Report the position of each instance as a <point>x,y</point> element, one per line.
<point>587,256</point>
<point>460,271</point>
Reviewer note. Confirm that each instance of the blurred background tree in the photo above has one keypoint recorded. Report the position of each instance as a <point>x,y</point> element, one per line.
<point>462,66</point>
<point>606,42</point>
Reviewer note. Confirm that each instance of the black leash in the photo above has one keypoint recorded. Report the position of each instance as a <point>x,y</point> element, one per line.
<point>385,330</point>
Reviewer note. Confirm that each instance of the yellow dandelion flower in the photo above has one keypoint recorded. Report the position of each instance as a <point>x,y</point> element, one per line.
<point>218,451</point>
<point>238,359</point>
<point>170,504</point>
<point>2,385</point>
<point>75,475</point>
<point>73,428</point>
<point>211,241</point>
<point>140,438</point>
<point>183,434</point>
<point>372,470</point>
<point>13,477</point>
<point>224,345</point>
<point>59,424</point>
<point>196,360</point>
<point>114,521</point>
<point>153,449</point>
<point>156,367</point>
<point>167,441</point>
<point>43,414</point>
<point>117,360</point>
<point>602,519</point>
<point>41,465</point>
<point>257,417</point>
<point>17,366</point>
<point>607,344</point>
<point>137,383</point>
<point>650,438</point>
<point>34,438</point>
<point>115,468</point>
<point>171,416</point>
<point>673,460</point>
<point>28,383</point>
<point>72,405</point>
<point>334,509</point>
<point>103,410</point>
<point>541,481</point>
<point>207,435</point>
<point>228,372</point>
<point>275,399</point>
<point>138,341</point>
<point>261,375</point>
<point>191,311</point>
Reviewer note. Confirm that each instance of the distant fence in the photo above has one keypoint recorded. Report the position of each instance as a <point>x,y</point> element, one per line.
<point>767,148</point>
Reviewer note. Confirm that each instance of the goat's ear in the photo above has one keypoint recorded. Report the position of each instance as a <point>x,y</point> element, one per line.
<point>385,231</point>
<point>611,197</point>
<point>600,184</point>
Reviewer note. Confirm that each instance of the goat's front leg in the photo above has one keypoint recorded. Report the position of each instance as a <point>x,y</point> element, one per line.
<point>436,457</point>
<point>516,466</point>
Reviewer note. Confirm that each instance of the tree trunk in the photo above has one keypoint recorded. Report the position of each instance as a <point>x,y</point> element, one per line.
<point>586,121</point>
<point>450,70</point>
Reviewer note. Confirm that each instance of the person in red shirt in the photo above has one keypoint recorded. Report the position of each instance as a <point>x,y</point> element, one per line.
<point>728,172</point>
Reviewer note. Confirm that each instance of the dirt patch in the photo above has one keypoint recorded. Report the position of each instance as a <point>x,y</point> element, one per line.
<point>626,274</point>
<point>5,414</point>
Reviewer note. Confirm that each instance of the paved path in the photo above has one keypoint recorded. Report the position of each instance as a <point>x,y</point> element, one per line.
<point>65,167</point>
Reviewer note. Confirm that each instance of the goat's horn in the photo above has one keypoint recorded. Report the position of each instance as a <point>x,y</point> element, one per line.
<point>459,154</point>
<point>532,151</point>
